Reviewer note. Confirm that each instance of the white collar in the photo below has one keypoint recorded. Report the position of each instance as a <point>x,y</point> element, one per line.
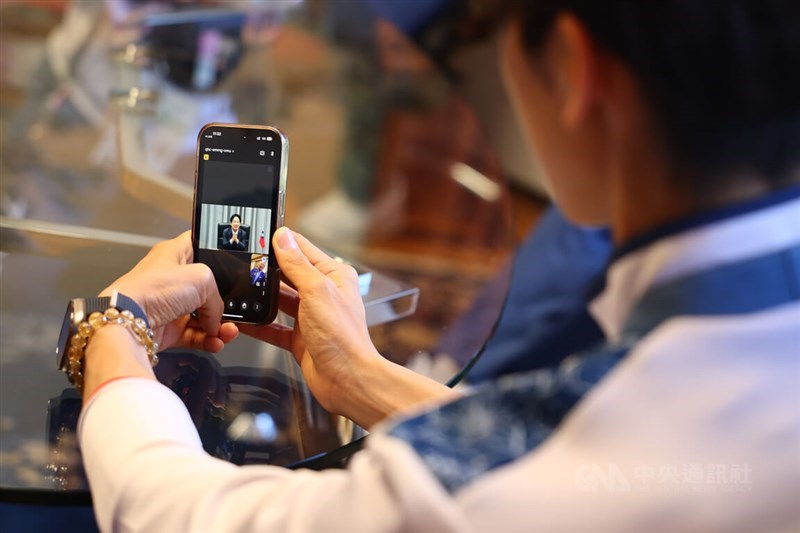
<point>696,250</point>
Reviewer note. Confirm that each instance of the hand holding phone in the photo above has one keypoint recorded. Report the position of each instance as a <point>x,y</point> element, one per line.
<point>239,200</point>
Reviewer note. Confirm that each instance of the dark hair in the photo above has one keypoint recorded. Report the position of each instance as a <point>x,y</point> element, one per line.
<point>721,76</point>
<point>235,215</point>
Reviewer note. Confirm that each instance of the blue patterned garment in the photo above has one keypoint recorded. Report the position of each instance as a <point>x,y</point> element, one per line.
<point>501,421</point>
<point>504,420</point>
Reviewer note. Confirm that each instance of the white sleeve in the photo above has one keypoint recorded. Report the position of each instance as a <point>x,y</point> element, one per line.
<point>148,472</point>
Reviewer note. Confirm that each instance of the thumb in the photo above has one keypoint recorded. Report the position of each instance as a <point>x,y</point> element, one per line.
<point>293,262</point>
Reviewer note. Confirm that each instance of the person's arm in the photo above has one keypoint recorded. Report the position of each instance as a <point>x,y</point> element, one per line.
<point>147,470</point>
<point>225,241</point>
<point>144,459</point>
<point>332,346</point>
<point>243,240</point>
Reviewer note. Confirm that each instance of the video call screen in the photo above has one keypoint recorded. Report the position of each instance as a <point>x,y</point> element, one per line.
<point>237,187</point>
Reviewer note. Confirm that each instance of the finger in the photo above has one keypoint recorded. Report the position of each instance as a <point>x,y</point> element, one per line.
<point>213,344</point>
<point>228,332</point>
<point>184,243</point>
<point>197,339</point>
<point>210,305</point>
<point>186,334</point>
<point>193,322</point>
<point>286,281</point>
<point>297,257</point>
<point>275,334</point>
<point>334,268</point>
<point>288,301</point>
<point>293,262</point>
<point>321,261</point>
<point>177,251</point>
<point>310,250</point>
<point>287,286</point>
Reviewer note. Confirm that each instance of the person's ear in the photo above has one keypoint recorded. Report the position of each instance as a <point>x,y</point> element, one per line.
<point>573,68</point>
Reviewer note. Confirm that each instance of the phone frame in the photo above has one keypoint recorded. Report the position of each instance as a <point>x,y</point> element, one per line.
<point>279,208</point>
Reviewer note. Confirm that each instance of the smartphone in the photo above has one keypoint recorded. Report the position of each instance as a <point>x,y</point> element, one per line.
<point>239,202</point>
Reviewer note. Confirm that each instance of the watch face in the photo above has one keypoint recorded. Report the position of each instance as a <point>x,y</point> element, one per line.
<point>63,338</point>
<point>76,313</point>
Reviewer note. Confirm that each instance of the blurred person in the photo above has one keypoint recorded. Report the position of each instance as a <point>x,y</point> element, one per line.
<point>676,123</point>
<point>545,316</point>
<point>401,110</point>
<point>383,74</point>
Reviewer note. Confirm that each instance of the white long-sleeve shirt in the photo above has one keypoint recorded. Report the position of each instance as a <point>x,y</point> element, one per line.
<point>696,429</point>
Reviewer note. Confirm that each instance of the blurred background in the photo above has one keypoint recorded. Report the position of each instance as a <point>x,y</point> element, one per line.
<point>404,152</point>
<point>405,160</point>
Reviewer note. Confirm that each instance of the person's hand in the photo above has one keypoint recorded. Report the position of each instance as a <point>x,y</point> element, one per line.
<point>330,340</point>
<point>168,287</point>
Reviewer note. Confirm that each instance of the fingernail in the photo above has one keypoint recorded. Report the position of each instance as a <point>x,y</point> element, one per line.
<point>286,239</point>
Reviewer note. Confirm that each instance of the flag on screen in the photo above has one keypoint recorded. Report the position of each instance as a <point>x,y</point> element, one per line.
<point>262,241</point>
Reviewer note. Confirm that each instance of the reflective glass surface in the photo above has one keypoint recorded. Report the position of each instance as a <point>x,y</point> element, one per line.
<point>388,168</point>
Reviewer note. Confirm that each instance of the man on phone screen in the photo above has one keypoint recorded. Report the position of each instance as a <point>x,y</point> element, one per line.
<point>258,274</point>
<point>235,237</point>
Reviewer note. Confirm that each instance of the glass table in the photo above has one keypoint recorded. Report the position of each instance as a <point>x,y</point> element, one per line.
<point>388,169</point>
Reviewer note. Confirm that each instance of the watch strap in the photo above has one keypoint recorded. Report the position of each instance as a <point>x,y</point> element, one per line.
<point>87,315</point>
<point>94,304</point>
<point>84,307</point>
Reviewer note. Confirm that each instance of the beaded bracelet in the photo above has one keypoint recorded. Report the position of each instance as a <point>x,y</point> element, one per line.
<point>86,329</point>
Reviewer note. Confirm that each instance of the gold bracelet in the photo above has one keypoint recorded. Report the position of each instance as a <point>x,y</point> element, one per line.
<point>86,329</point>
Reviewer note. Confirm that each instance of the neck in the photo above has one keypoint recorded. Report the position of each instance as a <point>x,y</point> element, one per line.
<point>646,193</point>
<point>643,190</point>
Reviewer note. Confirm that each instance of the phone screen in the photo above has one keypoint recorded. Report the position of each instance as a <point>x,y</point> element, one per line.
<point>239,199</point>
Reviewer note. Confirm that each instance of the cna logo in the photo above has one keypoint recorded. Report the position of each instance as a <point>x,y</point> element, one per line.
<point>667,477</point>
<point>597,477</point>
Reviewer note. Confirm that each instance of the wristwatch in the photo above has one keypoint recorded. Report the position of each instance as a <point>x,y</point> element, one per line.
<point>78,311</point>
